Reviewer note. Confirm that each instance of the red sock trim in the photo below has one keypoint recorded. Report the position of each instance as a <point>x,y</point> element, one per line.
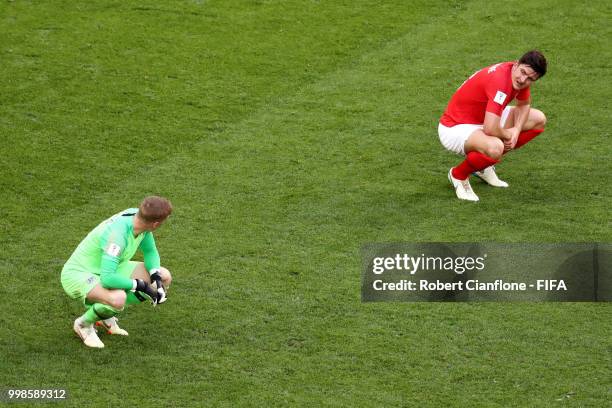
<point>474,161</point>
<point>527,136</point>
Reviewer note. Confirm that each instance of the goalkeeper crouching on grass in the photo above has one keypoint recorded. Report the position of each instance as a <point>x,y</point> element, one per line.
<point>101,275</point>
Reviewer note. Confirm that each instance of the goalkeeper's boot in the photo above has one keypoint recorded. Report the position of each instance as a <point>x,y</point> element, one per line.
<point>111,326</point>
<point>489,176</point>
<point>87,333</point>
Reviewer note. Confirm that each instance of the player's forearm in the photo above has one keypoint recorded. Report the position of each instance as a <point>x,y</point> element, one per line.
<point>109,278</point>
<point>497,131</point>
<point>522,113</point>
<point>152,261</point>
<point>115,281</point>
<point>492,127</point>
<point>150,254</point>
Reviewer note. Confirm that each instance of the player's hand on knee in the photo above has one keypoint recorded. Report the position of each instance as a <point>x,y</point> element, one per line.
<point>510,144</point>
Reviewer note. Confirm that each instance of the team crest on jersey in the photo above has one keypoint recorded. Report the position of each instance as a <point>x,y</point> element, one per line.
<point>91,280</point>
<point>500,97</point>
<point>113,249</point>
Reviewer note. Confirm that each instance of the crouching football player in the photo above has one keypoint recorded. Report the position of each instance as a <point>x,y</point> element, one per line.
<point>102,276</point>
<point>479,124</point>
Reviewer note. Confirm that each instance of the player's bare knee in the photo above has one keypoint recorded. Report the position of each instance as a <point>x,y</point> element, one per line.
<point>495,149</point>
<point>541,120</point>
<point>117,299</point>
<point>495,153</point>
<point>166,276</point>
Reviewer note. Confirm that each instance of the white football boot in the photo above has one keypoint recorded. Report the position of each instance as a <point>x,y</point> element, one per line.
<point>463,189</point>
<point>88,334</point>
<point>489,176</point>
<point>111,326</point>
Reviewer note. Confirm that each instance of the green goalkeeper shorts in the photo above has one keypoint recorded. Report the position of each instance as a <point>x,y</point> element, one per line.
<point>77,283</point>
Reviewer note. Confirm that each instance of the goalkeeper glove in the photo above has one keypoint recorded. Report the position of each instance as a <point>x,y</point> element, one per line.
<point>161,290</point>
<point>142,286</point>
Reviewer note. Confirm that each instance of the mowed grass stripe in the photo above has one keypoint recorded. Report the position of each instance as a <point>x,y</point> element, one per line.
<point>99,89</point>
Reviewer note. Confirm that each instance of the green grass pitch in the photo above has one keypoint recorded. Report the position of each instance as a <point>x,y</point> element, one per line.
<point>288,134</point>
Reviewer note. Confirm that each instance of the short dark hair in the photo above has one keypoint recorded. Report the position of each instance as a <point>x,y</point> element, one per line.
<point>154,208</point>
<point>536,60</point>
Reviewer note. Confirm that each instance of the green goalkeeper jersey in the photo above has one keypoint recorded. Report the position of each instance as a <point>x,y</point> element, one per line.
<point>110,244</point>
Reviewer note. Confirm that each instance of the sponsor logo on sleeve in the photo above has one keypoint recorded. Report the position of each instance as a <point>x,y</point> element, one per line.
<point>113,249</point>
<point>500,97</point>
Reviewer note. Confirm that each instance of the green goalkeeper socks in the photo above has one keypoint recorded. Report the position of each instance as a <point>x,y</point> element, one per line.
<point>132,299</point>
<point>99,311</point>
